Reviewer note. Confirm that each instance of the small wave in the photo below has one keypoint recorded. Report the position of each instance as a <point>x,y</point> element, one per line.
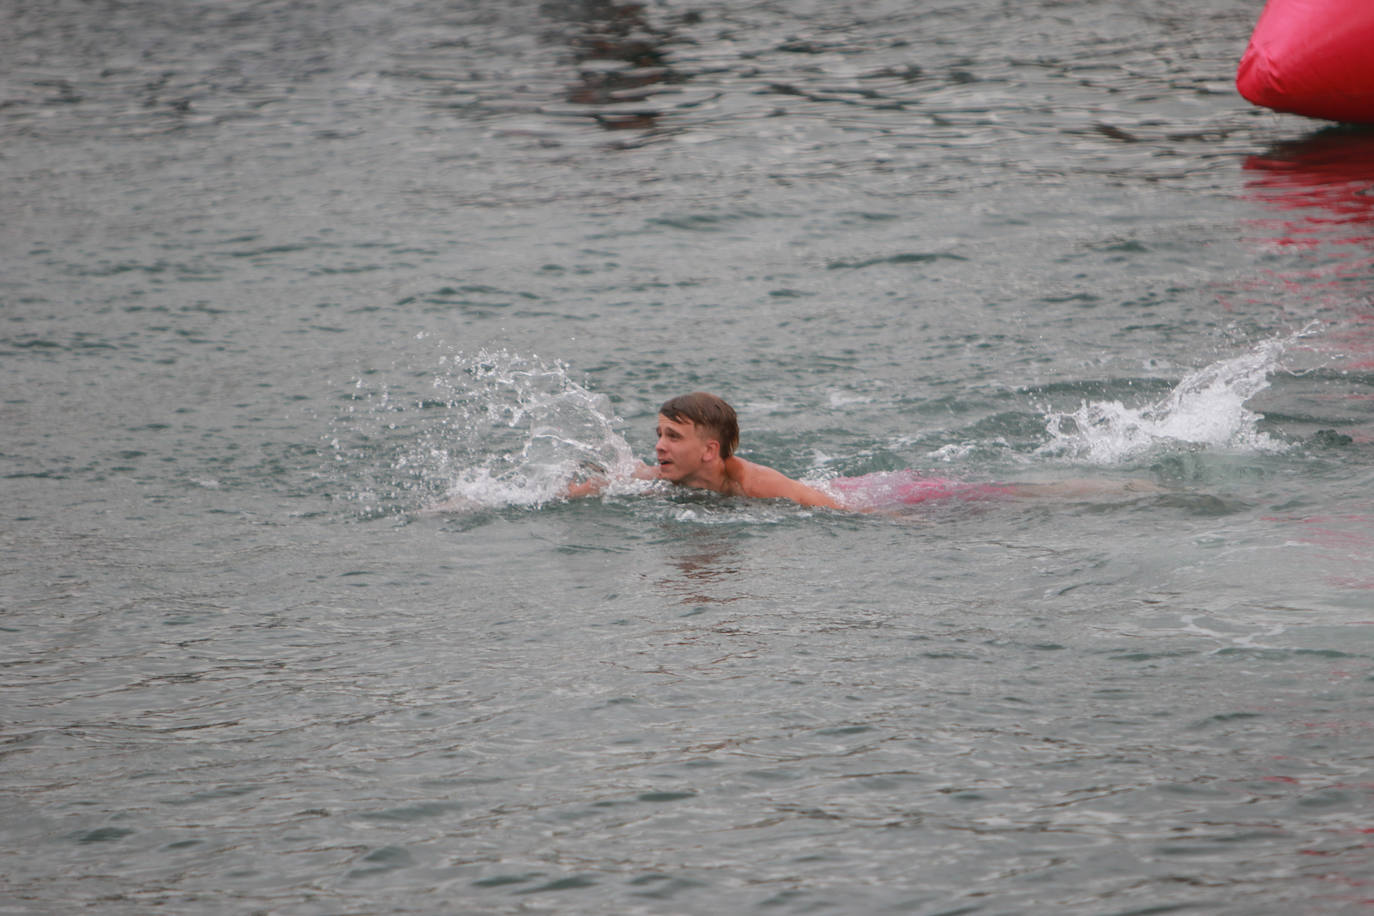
<point>1206,408</point>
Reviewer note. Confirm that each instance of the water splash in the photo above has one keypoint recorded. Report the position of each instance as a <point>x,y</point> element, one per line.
<point>1206,409</point>
<point>484,431</point>
<point>531,429</point>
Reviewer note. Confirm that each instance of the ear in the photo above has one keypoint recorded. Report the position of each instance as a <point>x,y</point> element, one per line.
<point>711,451</point>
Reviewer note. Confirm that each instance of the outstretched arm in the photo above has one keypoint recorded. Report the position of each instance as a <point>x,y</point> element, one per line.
<point>594,485</point>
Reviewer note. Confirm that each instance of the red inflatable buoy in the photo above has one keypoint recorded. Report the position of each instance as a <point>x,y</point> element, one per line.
<point>1313,58</point>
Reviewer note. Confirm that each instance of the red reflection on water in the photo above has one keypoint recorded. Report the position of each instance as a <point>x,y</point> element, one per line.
<point>1328,177</point>
<point>1345,541</point>
<point>1323,185</point>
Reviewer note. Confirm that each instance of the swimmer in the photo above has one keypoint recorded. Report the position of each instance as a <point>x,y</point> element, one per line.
<point>698,434</point>
<point>697,437</point>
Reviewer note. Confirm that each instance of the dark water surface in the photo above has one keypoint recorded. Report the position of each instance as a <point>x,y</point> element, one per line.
<point>308,310</point>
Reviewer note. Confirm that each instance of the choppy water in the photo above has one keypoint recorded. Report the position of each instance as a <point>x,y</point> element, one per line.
<point>308,310</point>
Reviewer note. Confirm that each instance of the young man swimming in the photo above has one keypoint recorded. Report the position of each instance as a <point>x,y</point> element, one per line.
<point>698,434</point>
<point>697,437</point>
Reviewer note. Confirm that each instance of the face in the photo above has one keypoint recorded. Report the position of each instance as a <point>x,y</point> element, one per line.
<point>681,449</point>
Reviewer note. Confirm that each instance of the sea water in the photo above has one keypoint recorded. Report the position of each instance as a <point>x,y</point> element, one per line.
<point>309,312</point>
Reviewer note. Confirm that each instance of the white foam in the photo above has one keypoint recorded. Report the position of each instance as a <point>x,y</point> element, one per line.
<point>1207,409</point>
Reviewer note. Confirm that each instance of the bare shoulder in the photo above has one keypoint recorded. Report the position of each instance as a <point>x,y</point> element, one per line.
<point>761,482</point>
